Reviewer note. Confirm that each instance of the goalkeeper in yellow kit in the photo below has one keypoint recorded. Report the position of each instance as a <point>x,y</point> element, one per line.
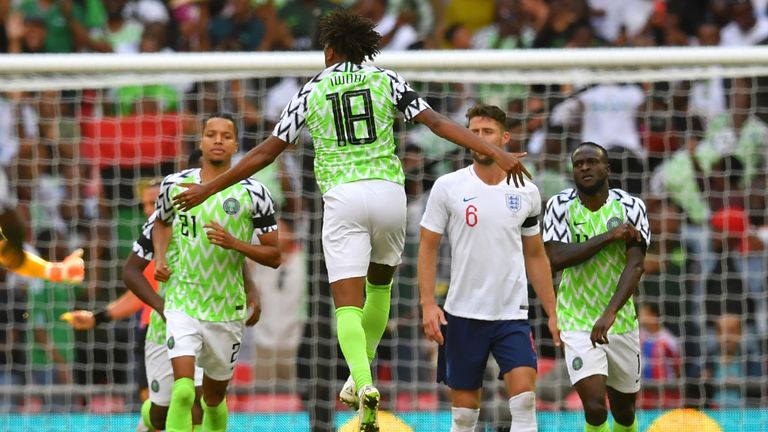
<point>16,259</point>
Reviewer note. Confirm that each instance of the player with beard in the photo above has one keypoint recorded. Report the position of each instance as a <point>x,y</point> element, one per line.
<point>493,229</point>
<point>598,237</point>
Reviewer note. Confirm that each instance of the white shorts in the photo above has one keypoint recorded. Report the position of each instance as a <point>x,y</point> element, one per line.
<point>160,374</point>
<point>619,359</point>
<point>363,223</point>
<point>215,345</point>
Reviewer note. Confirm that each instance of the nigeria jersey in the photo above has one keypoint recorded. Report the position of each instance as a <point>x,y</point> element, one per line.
<point>586,288</point>
<point>144,249</point>
<point>349,111</point>
<point>208,281</point>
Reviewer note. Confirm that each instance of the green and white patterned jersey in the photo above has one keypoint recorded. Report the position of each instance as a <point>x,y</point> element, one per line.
<point>349,111</point>
<point>144,249</point>
<point>586,289</point>
<point>208,283</point>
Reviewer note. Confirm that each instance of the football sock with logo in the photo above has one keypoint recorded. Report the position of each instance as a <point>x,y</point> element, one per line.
<point>464,419</point>
<point>145,418</point>
<point>214,418</point>
<point>180,411</point>
<point>375,315</point>
<point>522,408</point>
<point>601,428</point>
<point>621,428</point>
<point>349,329</point>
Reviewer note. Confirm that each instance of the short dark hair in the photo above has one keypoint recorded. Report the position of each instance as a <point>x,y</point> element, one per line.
<point>350,35</point>
<point>489,111</point>
<point>596,146</point>
<point>223,115</point>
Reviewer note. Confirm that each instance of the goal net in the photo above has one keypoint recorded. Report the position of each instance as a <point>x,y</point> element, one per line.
<point>82,137</point>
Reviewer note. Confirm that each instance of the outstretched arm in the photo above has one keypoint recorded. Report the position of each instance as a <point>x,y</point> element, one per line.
<point>123,307</point>
<point>253,161</point>
<point>540,275</point>
<point>452,131</point>
<point>71,270</point>
<point>627,285</point>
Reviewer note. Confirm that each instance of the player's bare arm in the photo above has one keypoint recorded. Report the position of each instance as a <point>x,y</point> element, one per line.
<point>446,128</point>
<point>133,277</point>
<point>257,158</point>
<point>253,300</point>
<point>161,238</point>
<point>11,250</point>
<point>539,274</point>
<point>266,253</point>
<point>122,308</point>
<point>563,255</point>
<point>627,285</point>
<point>432,316</point>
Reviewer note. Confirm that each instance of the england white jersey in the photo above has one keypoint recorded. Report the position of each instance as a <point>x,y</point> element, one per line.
<point>485,225</point>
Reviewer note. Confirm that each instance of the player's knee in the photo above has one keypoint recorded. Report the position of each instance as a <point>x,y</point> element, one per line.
<point>213,400</point>
<point>595,408</point>
<point>183,392</point>
<point>465,418</point>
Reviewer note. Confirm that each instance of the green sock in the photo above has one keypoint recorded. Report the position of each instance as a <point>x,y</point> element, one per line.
<point>351,336</point>
<point>621,428</point>
<point>214,418</point>
<point>197,428</point>
<point>145,415</point>
<point>375,315</point>
<point>602,428</point>
<point>180,412</point>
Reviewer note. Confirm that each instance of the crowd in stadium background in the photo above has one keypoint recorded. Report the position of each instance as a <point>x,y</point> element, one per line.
<point>695,151</point>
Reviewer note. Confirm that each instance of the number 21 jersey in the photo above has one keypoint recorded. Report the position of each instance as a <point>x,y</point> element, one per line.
<point>349,111</point>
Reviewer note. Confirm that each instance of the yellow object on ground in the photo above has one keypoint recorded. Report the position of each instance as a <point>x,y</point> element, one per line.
<point>388,422</point>
<point>684,420</point>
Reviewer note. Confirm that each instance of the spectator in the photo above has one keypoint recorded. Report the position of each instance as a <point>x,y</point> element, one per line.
<point>67,22</point>
<point>509,30</point>
<point>239,28</point>
<point>396,32</point>
<point>622,20</point>
<point>565,18</point>
<point>660,348</point>
<point>301,18</point>
<point>119,35</point>
<point>731,362</point>
<point>474,14</point>
<point>148,98</point>
<point>745,27</point>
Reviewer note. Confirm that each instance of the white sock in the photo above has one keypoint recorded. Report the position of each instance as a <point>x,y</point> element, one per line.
<point>522,407</point>
<point>464,419</point>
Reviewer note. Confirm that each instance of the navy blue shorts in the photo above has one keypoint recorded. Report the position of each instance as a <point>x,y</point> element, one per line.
<point>463,356</point>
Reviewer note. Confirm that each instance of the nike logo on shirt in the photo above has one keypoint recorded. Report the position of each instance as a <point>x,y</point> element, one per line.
<point>469,199</point>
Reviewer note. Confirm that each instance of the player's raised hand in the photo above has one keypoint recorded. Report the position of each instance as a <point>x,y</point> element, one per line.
<point>71,270</point>
<point>433,318</point>
<point>512,164</point>
<point>599,333</point>
<point>79,319</point>
<point>218,236</point>
<point>192,197</point>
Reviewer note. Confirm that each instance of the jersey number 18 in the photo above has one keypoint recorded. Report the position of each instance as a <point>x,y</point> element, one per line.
<point>344,119</point>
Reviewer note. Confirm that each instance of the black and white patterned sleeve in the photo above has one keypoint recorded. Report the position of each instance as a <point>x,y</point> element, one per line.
<point>637,215</point>
<point>407,101</point>
<point>293,118</point>
<point>556,219</point>
<point>263,214</point>
<point>143,247</point>
<point>164,204</point>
